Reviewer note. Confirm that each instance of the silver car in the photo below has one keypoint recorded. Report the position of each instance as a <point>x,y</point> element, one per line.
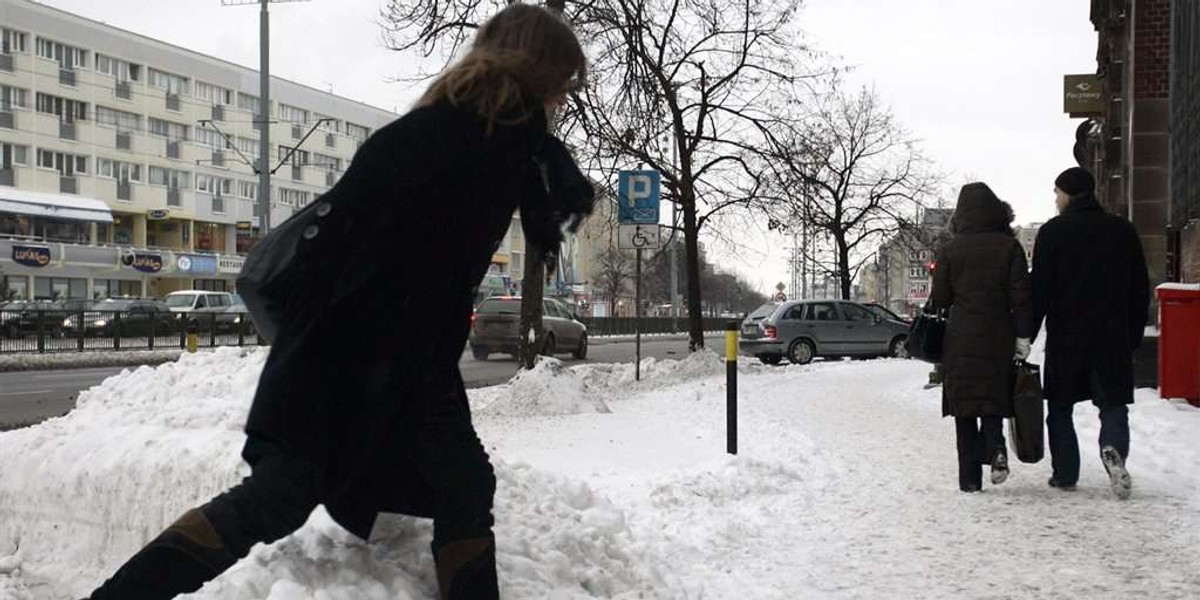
<point>803,330</point>
<point>496,323</point>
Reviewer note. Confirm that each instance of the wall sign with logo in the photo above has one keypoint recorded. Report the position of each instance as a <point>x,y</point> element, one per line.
<point>146,263</point>
<point>31,256</point>
<point>1083,95</point>
<point>230,264</point>
<point>158,214</point>
<point>196,264</point>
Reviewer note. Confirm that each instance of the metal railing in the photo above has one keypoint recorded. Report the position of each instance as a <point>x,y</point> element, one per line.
<point>601,326</point>
<point>52,331</point>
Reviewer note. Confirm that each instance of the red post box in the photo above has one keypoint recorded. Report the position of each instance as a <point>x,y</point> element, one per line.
<point>1179,341</point>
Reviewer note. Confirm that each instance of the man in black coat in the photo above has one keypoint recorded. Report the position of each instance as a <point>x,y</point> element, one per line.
<point>1091,286</point>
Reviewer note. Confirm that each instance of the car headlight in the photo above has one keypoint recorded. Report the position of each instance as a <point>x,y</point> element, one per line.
<point>67,322</point>
<point>237,320</point>
<point>99,322</point>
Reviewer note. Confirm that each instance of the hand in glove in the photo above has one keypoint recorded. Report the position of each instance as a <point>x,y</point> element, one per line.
<point>1022,351</point>
<point>558,195</point>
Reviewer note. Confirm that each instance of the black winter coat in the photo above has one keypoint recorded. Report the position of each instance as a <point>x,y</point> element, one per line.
<point>380,317</point>
<point>982,278</point>
<point>1091,286</point>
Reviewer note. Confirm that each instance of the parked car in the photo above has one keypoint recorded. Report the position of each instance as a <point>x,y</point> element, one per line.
<point>495,328</point>
<point>803,330</point>
<point>883,311</point>
<point>20,318</point>
<point>236,317</point>
<point>208,308</point>
<point>128,317</point>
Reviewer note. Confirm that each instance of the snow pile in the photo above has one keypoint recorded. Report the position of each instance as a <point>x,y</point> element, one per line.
<point>30,361</point>
<point>656,374</point>
<point>79,494</point>
<point>550,388</point>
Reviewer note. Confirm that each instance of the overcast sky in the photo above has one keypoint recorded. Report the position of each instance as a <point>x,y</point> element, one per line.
<point>978,81</point>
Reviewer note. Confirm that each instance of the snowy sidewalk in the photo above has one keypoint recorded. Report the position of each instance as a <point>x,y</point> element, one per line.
<point>845,487</point>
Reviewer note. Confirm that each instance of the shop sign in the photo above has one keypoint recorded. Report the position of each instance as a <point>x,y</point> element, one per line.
<point>158,214</point>
<point>31,256</point>
<point>1083,95</point>
<point>230,264</point>
<point>197,264</point>
<point>146,263</point>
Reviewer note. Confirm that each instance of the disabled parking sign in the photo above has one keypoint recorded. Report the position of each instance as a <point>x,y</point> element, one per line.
<point>638,196</point>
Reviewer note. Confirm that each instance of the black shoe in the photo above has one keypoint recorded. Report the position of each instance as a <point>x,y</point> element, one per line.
<point>971,489</point>
<point>1117,474</point>
<point>999,467</point>
<point>1066,487</point>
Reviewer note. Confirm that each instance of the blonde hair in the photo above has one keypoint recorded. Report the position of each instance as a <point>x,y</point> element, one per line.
<point>521,57</point>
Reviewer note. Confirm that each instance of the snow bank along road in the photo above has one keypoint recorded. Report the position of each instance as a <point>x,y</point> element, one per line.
<point>845,488</point>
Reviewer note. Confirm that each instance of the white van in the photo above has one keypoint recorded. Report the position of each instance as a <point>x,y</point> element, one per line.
<point>198,300</point>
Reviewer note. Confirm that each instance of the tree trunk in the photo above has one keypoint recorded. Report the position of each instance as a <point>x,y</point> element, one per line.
<point>691,240</point>
<point>843,267</point>
<point>532,288</point>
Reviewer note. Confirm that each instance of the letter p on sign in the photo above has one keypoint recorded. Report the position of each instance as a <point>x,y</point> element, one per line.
<point>638,193</point>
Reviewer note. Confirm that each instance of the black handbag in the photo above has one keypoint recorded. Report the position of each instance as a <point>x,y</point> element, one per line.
<point>927,337</point>
<point>1025,427</point>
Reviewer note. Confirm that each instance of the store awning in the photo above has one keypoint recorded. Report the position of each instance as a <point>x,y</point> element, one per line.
<point>54,206</point>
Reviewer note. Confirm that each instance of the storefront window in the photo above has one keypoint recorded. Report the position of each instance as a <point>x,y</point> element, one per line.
<point>103,233</point>
<point>59,288</point>
<point>72,232</point>
<point>15,225</point>
<point>115,288</point>
<point>16,288</point>
<point>210,237</point>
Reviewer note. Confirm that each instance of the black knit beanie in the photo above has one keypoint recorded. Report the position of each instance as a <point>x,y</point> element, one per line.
<point>1076,182</point>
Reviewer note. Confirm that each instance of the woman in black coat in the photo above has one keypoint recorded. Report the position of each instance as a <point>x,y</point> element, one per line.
<point>361,406</point>
<point>982,279</point>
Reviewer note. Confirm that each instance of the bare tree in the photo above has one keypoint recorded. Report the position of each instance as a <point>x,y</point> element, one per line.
<point>683,87</point>
<point>852,175</point>
<point>615,270</point>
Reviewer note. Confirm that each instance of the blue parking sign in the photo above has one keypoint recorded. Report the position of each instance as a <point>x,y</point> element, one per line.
<point>638,196</point>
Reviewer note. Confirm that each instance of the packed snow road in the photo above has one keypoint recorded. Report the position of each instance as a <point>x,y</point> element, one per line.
<point>845,487</point>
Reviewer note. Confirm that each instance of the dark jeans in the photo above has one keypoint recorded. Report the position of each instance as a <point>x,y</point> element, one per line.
<point>978,440</point>
<point>280,493</point>
<point>1064,443</point>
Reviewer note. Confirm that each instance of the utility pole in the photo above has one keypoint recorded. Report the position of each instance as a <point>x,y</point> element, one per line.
<point>264,108</point>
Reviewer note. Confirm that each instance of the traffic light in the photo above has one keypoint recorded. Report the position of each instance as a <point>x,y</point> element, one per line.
<point>931,266</point>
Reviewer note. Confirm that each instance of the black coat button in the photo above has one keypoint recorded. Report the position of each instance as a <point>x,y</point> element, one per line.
<point>311,232</point>
<point>323,209</point>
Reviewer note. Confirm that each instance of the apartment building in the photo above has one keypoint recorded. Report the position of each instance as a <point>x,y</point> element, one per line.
<point>125,162</point>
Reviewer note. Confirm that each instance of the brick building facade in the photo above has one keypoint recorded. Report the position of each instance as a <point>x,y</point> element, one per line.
<point>1184,233</point>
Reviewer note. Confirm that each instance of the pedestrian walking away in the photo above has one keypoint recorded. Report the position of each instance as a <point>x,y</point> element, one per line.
<point>1091,287</point>
<point>348,413</point>
<point>983,281</point>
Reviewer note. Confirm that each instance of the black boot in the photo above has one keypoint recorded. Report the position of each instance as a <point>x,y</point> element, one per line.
<point>179,561</point>
<point>466,570</point>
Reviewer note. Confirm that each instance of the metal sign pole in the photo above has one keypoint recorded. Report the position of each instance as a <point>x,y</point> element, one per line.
<point>638,316</point>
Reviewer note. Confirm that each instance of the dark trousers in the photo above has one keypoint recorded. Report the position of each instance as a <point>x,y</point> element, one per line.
<point>978,440</point>
<point>280,493</point>
<point>1064,443</point>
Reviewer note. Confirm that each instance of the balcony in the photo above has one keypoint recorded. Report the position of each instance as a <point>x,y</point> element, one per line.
<point>173,149</point>
<point>8,177</point>
<point>124,140</point>
<point>218,158</point>
<point>68,185</point>
<point>218,204</point>
<point>67,77</point>
<point>6,63</point>
<point>66,131</point>
<point>8,120</point>
<point>173,102</point>
<point>124,191</point>
<point>124,90</point>
<point>174,198</point>
<point>218,112</point>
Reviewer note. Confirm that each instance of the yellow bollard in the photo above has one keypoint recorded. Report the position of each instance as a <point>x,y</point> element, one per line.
<point>193,335</point>
<point>731,356</point>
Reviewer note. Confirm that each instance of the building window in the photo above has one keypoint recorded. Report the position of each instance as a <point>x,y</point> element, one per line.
<point>331,125</point>
<point>120,69</point>
<point>327,162</point>
<point>121,171</point>
<point>67,165</point>
<point>214,185</point>
<point>67,57</point>
<point>171,130</point>
<point>210,138</point>
<point>169,82</point>
<point>299,157</point>
<point>59,288</point>
<point>357,132</point>
<point>115,288</point>
<point>13,154</point>
<point>248,190</point>
<point>66,110</point>
<point>12,41</point>
<point>13,98</point>
<point>292,114</point>
<point>124,121</point>
<point>169,178</point>
<point>248,146</point>
<point>214,94</point>
<point>290,197</point>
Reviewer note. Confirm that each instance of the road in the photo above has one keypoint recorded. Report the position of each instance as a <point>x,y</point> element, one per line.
<point>32,396</point>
